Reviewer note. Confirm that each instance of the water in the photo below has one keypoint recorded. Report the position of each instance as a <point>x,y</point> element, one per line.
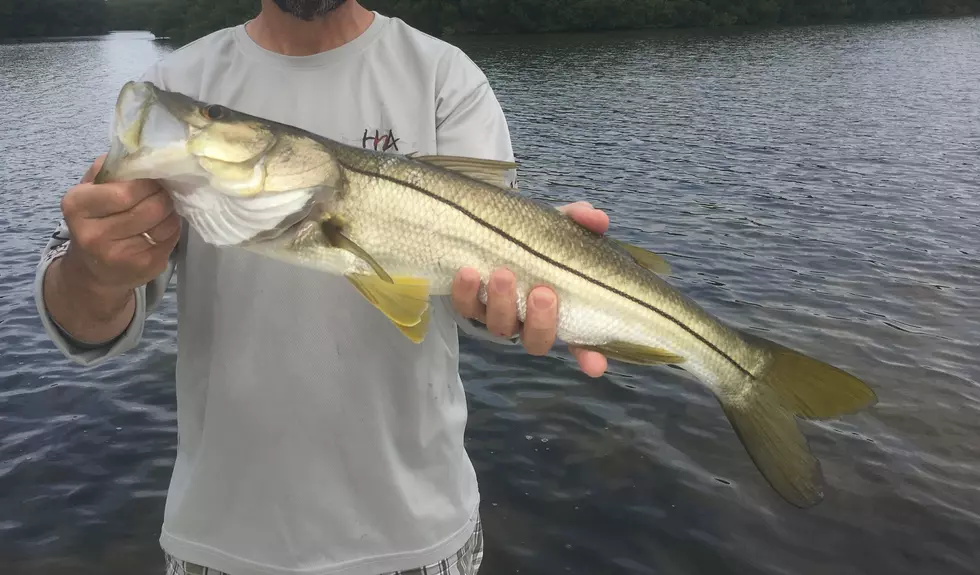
<point>816,184</point>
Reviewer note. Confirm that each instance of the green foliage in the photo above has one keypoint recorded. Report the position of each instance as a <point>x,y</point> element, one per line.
<point>443,17</point>
<point>186,20</point>
<point>33,18</point>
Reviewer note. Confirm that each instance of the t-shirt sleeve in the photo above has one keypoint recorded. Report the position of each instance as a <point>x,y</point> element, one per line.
<point>471,123</point>
<point>148,297</point>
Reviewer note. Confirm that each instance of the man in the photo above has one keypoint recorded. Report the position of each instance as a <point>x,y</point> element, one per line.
<point>313,438</point>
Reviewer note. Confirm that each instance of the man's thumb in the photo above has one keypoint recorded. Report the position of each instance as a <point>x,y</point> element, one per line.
<point>93,169</point>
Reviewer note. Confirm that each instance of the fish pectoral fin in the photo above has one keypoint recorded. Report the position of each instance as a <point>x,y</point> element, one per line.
<point>493,172</point>
<point>335,235</point>
<point>647,259</point>
<point>635,353</point>
<point>404,301</point>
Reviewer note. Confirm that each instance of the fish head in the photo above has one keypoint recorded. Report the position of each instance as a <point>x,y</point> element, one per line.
<point>157,133</point>
<point>216,134</point>
<point>234,176</point>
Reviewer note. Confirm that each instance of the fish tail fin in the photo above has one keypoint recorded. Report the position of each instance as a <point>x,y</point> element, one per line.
<point>764,416</point>
<point>809,387</point>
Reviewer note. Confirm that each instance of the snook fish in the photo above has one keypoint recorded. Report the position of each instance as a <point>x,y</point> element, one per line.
<point>399,228</point>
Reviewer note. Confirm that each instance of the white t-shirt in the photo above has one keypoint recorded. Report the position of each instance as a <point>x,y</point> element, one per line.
<point>313,438</point>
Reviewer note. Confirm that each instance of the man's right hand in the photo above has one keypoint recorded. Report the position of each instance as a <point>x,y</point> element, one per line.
<point>108,250</point>
<point>89,290</point>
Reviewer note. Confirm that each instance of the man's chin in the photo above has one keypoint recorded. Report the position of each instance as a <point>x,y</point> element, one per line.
<point>308,10</point>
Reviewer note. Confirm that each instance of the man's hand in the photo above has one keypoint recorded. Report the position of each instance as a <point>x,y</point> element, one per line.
<point>122,235</point>
<point>107,223</point>
<point>540,327</point>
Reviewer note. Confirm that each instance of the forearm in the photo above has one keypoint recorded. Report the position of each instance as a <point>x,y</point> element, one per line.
<point>87,312</point>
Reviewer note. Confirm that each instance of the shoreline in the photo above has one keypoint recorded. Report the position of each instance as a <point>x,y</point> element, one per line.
<point>452,34</point>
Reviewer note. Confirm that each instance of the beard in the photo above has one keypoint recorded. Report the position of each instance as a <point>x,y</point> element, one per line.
<point>308,9</point>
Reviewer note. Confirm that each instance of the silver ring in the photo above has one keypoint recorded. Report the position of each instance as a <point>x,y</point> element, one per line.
<point>149,239</point>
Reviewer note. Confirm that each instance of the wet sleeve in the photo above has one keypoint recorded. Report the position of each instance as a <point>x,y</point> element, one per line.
<point>148,297</point>
<point>470,122</point>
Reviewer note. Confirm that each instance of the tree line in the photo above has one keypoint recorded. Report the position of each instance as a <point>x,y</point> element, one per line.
<point>27,18</point>
<point>186,20</point>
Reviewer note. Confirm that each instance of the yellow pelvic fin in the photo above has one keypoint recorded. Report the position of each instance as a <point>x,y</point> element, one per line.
<point>404,301</point>
<point>638,354</point>
<point>645,258</point>
<point>492,172</point>
<point>416,332</point>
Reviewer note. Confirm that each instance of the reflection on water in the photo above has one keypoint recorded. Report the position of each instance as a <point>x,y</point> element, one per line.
<point>817,185</point>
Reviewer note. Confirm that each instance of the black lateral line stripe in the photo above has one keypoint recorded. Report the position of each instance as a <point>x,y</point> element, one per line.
<point>557,264</point>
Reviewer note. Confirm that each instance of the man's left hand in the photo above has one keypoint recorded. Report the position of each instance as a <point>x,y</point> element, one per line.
<point>540,327</point>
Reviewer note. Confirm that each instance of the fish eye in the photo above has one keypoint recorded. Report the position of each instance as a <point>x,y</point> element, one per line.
<point>214,112</point>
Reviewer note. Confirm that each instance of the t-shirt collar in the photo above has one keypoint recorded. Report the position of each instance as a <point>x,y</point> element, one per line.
<point>253,50</point>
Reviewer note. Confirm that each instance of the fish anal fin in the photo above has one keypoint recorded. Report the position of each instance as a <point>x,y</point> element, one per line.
<point>493,172</point>
<point>404,301</point>
<point>645,258</point>
<point>636,353</point>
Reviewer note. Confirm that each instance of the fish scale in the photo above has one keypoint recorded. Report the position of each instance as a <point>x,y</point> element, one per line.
<point>394,202</point>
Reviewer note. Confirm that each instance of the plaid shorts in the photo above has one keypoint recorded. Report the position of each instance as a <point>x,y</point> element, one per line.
<point>466,561</point>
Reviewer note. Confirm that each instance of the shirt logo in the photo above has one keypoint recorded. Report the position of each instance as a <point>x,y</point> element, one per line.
<point>379,141</point>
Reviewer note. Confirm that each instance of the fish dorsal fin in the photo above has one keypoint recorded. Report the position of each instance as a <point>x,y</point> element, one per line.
<point>404,301</point>
<point>644,258</point>
<point>493,172</point>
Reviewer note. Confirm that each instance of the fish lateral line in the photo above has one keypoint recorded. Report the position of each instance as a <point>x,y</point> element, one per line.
<point>549,260</point>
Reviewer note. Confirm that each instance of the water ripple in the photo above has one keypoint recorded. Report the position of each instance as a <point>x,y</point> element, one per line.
<point>816,185</point>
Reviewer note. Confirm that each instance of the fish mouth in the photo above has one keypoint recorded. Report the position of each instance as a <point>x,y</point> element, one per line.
<point>149,134</point>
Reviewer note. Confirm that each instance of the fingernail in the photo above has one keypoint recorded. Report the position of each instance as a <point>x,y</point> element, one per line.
<point>541,301</point>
